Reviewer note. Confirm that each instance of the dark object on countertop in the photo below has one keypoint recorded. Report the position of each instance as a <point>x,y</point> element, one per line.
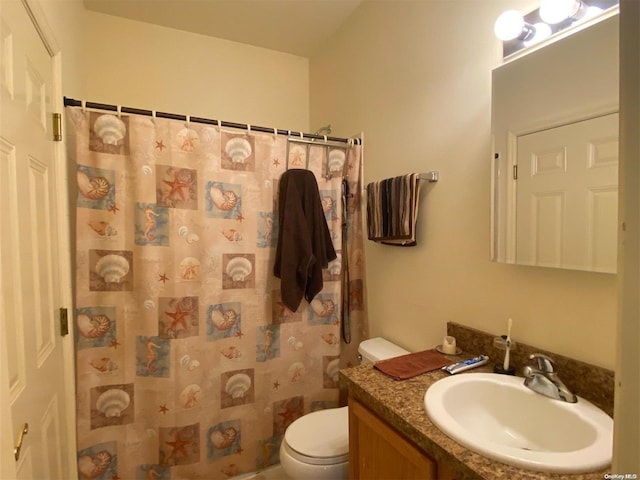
<point>304,241</point>
<point>412,364</point>
<point>498,368</point>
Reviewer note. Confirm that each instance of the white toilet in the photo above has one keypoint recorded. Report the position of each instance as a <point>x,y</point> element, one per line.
<point>316,446</point>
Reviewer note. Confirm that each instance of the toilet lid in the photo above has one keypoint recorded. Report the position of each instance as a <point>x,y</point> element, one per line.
<point>322,435</point>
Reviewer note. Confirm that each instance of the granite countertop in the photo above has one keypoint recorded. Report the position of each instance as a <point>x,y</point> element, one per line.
<point>401,404</point>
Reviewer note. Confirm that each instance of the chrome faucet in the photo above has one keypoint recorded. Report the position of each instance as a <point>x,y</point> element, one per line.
<point>544,380</point>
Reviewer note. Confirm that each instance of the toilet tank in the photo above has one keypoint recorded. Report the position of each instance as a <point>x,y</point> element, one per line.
<point>376,349</point>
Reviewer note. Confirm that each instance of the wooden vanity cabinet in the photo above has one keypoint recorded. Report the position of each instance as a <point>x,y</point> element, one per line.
<point>378,452</point>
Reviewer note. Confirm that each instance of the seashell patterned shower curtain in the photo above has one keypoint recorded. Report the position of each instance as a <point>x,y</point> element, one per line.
<point>188,365</point>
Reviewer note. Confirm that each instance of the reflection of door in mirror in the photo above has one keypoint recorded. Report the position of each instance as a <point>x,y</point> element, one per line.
<point>567,191</point>
<point>537,97</point>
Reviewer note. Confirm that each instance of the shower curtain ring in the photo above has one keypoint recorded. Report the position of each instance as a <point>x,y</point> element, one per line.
<point>83,104</point>
<point>188,121</point>
<point>248,128</point>
<point>119,110</point>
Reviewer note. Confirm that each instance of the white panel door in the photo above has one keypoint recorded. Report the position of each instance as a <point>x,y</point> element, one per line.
<point>567,191</point>
<point>32,352</point>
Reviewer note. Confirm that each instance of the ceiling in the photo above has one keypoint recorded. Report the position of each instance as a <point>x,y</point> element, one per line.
<point>298,27</point>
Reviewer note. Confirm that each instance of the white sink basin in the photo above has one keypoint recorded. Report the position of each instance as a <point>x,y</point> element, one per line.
<point>497,416</point>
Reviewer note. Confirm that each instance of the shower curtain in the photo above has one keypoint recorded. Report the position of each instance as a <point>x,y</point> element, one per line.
<point>188,365</point>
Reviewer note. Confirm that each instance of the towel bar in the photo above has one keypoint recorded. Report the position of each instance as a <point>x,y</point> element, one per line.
<point>431,177</point>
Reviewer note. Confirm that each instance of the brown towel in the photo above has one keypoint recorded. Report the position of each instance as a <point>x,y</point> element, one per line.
<point>304,242</point>
<point>392,210</point>
<point>413,364</point>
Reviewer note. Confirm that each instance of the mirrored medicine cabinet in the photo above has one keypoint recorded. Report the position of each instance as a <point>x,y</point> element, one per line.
<point>555,163</point>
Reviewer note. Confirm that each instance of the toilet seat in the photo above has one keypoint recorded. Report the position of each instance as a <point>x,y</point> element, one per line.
<point>319,438</point>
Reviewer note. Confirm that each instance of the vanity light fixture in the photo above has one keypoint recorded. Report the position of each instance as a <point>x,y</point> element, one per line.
<point>556,11</point>
<point>542,32</point>
<point>518,31</point>
<point>510,25</point>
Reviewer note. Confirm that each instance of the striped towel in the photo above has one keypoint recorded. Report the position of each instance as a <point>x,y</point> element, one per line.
<point>392,210</point>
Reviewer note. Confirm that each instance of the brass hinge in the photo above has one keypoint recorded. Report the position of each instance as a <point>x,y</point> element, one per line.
<point>64,322</point>
<point>515,172</point>
<point>57,126</point>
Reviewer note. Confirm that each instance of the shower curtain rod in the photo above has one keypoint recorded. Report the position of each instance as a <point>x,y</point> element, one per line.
<point>71,102</point>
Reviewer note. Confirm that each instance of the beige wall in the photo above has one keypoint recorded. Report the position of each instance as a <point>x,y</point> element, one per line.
<point>415,76</point>
<point>147,66</point>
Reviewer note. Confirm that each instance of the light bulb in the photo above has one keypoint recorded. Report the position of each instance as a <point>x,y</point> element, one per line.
<point>591,12</point>
<point>555,11</point>
<point>542,32</point>
<point>509,25</point>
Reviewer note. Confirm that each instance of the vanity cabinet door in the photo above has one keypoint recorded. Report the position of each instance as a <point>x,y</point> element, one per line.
<point>377,451</point>
<point>445,472</point>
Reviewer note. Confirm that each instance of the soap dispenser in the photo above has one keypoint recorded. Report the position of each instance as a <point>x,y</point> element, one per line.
<point>504,343</point>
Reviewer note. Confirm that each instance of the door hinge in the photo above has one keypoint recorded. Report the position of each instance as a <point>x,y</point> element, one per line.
<point>64,322</point>
<point>57,126</point>
<point>515,172</point>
